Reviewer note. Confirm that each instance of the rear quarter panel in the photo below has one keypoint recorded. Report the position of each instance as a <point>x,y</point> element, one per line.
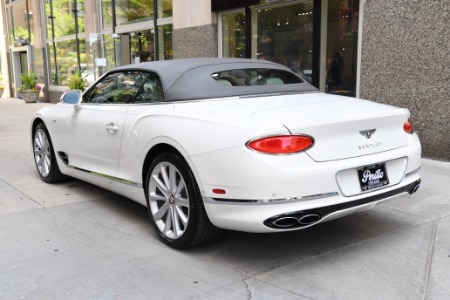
<point>186,127</point>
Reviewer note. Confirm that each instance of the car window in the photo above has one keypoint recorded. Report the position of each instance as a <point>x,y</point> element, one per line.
<point>116,88</point>
<point>249,77</point>
<point>151,91</point>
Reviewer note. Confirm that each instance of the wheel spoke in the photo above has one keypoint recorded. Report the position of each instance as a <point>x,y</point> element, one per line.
<point>168,222</point>
<point>175,223</point>
<point>39,160</point>
<point>172,178</point>
<point>45,145</point>
<point>47,164</point>
<point>180,188</point>
<point>161,186</point>
<point>156,197</point>
<point>183,202</point>
<point>165,176</point>
<point>181,216</point>
<point>162,211</point>
<point>38,140</point>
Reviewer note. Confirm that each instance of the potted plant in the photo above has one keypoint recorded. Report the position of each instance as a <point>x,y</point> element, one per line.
<point>77,82</point>
<point>30,88</point>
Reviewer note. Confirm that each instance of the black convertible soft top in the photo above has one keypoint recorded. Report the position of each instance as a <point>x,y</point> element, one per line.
<point>190,79</point>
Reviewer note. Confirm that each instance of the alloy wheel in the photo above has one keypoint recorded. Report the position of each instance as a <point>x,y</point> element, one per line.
<point>169,200</point>
<point>42,153</point>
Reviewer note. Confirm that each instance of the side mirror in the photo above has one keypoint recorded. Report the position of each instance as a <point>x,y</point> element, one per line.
<point>72,97</point>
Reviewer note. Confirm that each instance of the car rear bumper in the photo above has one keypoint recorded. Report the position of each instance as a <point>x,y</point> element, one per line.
<point>258,189</point>
<point>258,217</point>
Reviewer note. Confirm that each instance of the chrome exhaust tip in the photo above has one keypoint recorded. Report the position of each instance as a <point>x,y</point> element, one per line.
<point>309,219</point>
<point>293,220</point>
<point>416,188</point>
<point>285,222</point>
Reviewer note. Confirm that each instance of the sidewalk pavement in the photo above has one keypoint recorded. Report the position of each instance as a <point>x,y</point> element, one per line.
<point>77,241</point>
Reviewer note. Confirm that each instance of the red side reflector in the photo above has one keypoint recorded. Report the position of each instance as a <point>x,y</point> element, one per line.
<point>282,144</point>
<point>409,127</point>
<point>219,191</point>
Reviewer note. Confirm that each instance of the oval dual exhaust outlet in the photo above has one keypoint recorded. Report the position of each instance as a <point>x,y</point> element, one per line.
<point>295,220</point>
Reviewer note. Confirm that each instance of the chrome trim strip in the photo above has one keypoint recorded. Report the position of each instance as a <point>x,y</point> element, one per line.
<point>267,201</point>
<point>112,178</point>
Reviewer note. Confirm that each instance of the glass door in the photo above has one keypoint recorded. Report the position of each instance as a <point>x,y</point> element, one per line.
<point>233,35</point>
<point>341,47</point>
<point>142,46</point>
<point>284,34</point>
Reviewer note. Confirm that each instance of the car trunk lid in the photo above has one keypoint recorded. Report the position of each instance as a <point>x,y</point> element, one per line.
<point>342,127</point>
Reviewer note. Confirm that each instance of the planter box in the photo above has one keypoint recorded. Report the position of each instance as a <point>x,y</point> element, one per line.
<point>30,96</point>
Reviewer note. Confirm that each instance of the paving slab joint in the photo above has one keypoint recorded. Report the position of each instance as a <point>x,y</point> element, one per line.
<point>430,259</point>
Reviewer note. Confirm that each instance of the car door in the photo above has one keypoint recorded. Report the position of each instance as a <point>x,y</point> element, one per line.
<point>92,135</point>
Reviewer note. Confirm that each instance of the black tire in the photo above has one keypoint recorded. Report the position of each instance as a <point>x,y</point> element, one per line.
<point>175,204</point>
<point>44,156</point>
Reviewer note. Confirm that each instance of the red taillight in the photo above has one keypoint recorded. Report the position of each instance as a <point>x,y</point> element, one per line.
<point>282,144</point>
<point>219,191</point>
<point>409,127</point>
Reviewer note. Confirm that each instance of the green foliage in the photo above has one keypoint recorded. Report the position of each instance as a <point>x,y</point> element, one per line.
<point>77,82</point>
<point>29,82</point>
<point>21,32</point>
<point>134,10</point>
<point>64,18</point>
<point>121,96</point>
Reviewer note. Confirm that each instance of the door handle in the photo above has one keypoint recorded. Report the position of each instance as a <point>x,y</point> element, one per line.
<point>112,128</point>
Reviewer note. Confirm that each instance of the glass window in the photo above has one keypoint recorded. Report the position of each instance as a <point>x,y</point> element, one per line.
<point>342,45</point>
<point>66,61</point>
<point>63,18</point>
<point>165,42</point>
<point>285,35</point>
<point>85,58</point>
<point>10,26</point>
<point>142,46</point>
<point>102,52</point>
<point>251,77</point>
<point>53,67</point>
<point>30,20</point>
<point>107,14</point>
<point>132,11</point>
<point>164,8</point>
<point>233,31</point>
<point>151,91</point>
<point>116,88</point>
<point>49,18</point>
<point>99,56</point>
<point>81,16</point>
<point>20,23</point>
<point>61,12</point>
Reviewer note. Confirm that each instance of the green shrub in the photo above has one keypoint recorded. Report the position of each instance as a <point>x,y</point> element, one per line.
<point>29,82</point>
<point>77,82</point>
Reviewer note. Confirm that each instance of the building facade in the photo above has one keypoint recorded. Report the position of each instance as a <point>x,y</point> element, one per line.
<point>393,52</point>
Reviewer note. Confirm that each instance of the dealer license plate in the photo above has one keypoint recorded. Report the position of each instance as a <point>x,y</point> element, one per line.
<point>372,177</point>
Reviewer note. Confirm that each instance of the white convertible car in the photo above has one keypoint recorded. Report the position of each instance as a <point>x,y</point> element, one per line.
<point>211,144</point>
